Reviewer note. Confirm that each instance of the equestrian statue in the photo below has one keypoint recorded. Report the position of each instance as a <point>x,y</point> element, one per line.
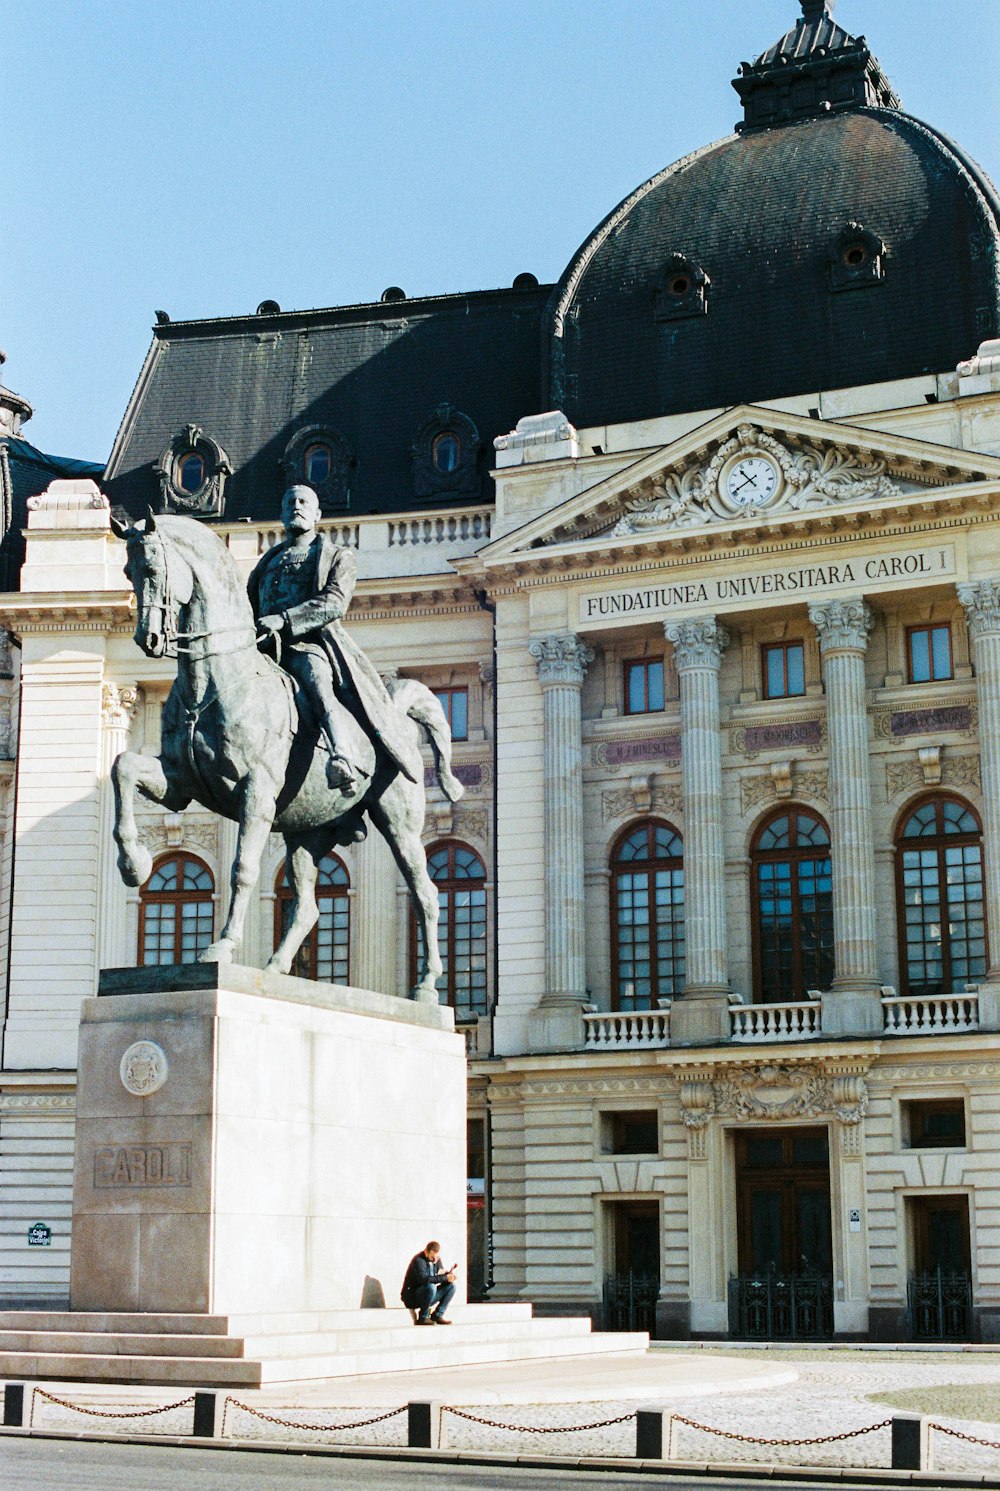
<point>309,743</point>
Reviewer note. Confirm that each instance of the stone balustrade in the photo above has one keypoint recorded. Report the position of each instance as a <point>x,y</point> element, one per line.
<point>770,1024</point>
<point>939,1014</point>
<point>406,544</point>
<point>626,1030</point>
<point>755,1023</point>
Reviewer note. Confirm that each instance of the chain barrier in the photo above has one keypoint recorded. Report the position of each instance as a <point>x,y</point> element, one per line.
<point>988,1444</point>
<point>271,1418</point>
<point>784,1443</point>
<point>534,1429</point>
<point>101,1413</point>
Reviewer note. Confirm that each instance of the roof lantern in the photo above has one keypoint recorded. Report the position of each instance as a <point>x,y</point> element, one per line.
<point>816,68</point>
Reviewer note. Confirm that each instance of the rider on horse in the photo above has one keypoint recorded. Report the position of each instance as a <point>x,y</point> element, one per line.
<point>300,591</point>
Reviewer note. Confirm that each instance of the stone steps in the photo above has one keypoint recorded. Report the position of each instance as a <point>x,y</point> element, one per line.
<point>206,1351</point>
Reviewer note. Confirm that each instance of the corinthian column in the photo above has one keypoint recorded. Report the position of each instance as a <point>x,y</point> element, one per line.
<point>854,1007</point>
<point>981,600</point>
<point>702,1013</point>
<point>562,662</point>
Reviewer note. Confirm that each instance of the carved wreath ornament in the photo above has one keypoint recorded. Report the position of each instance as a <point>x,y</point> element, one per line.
<point>772,1091</point>
<point>752,474</point>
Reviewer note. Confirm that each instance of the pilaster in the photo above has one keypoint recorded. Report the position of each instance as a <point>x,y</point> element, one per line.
<point>118,706</point>
<point>852,1007</point>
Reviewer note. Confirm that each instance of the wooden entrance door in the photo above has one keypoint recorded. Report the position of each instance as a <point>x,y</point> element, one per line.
<point>941,1234</point>
<point>783,1201</point>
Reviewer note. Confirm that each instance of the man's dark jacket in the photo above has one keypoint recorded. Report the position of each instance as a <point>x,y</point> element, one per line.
<point>420,1271</point>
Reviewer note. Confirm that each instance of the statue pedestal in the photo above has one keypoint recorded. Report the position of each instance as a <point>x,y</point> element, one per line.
<point>250,1144</point>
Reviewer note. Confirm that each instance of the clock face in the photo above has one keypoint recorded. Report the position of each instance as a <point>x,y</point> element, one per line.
<point>752,481</point>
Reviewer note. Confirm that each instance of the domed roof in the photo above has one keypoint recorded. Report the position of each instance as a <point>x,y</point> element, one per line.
<point>833,240</point>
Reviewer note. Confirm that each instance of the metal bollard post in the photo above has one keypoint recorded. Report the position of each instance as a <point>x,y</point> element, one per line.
<point>424,1426</point>
<point>911,1442</point>
<point>13,1405</point>
<point>204,1416</point>
<point>655,1435</point>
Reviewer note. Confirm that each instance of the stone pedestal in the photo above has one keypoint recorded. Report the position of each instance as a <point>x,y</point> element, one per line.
<point>250,1144</point>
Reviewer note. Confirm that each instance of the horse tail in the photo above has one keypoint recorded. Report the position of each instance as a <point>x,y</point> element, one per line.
<point>417,702</point>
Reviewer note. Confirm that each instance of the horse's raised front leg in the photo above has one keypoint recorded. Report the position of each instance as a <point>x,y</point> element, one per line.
<point>303,870</point>
<point>256,817</point>
<point>132,773</point>
<point>397,815</point>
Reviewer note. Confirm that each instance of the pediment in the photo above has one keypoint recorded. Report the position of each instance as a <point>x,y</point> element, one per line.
<point>751,467</point>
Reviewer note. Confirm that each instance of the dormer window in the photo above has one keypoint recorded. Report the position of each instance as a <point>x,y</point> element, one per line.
<point>856,258</point>
<point>193,470</point>
<point>445,455</point>
<point>681,290</point>
<point>320,458</point>
<point>446,452</point>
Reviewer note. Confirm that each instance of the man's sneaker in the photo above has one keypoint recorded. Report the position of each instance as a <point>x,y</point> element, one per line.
<point>438,1321</point>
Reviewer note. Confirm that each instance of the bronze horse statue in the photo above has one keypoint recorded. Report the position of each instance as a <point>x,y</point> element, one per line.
<point>235,740</point>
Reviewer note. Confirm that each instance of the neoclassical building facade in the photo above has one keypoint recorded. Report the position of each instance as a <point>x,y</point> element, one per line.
<point>711,594</point>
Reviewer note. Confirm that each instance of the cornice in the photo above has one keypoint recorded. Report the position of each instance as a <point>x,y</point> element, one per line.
<point>693,549</point>
<point>68,611</point>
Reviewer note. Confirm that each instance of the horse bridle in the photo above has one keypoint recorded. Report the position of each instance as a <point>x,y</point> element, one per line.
<point>173,638</point>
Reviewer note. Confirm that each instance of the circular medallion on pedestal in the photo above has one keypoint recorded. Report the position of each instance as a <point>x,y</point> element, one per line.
<point>143,1068</point>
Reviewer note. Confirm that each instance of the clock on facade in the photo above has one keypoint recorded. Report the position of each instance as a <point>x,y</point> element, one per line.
<point>751,481</point>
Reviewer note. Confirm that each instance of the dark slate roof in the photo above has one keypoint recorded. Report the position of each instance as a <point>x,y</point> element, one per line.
<point>372,373</point>
<point>24,472</point>
<point>759,214</point>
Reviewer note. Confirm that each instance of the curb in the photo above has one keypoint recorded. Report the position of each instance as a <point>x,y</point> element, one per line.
<point>773,1472</point>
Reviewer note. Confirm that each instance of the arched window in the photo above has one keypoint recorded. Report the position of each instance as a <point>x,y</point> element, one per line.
<point>176,912</point>
<point>941,915</point>
<point>460,877</point>
<point>647,916</point>
<point>325,952</point>
<point>792,898</point>
<point>318,464</point>
<point>191,472</point>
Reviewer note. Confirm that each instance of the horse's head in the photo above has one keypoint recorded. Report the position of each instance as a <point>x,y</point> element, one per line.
<point>162,581</point>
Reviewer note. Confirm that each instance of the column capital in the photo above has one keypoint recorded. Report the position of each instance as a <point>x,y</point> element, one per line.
<point>118,705</point>
<point>697,643</point>
<point>981,599</point>
<point>843,626</point>
<point>561,659</point>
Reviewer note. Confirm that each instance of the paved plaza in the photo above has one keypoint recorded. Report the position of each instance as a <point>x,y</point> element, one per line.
<point>775,1394</point>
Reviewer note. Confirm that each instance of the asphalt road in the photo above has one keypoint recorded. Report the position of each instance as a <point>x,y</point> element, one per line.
<point>69,1465</point>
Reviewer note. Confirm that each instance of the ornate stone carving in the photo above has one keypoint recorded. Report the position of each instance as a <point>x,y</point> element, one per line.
<point>959,772</point>
<point>157,834</point>
<point>697,643</point>
<point>842,625</point>
<point>472,823</point>
<point>333,488</point>
<point>808,475</point>
<point>622,802</point>
<point>144,1068</point>
<point>118,706</point>
<point>431,477</point>
<point>562,659</point>
<point>773,1091</point>
<point>981,599</point>
<point>771,787</point>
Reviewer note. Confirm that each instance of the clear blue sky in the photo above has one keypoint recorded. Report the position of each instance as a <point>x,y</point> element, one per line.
<point>201,155</point>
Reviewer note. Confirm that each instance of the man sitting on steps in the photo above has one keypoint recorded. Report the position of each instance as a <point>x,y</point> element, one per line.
<point>427,1289</point>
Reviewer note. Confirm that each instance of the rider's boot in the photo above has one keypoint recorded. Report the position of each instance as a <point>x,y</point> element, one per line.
<point>340,774</point>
